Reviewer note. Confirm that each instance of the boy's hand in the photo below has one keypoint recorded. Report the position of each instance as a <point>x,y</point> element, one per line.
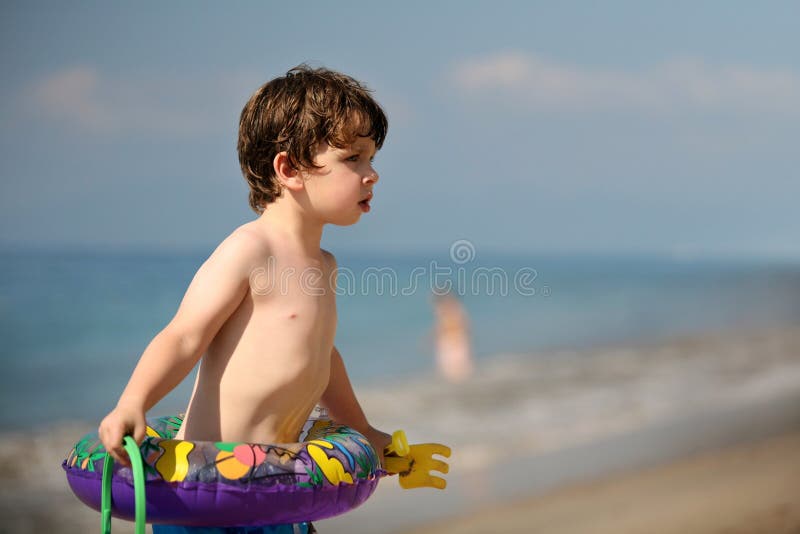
<point>119,423</point>
<point>379,440</point>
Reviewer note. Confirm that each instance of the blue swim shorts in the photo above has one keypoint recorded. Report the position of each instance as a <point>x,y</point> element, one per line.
<point>299,528</point>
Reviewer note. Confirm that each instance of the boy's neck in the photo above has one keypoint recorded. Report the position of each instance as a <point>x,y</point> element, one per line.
<point>301,230</point>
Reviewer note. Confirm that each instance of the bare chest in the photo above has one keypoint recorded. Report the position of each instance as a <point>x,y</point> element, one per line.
<point>290,307</point>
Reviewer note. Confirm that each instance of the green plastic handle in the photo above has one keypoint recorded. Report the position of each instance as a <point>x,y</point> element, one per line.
<point>138,488</point>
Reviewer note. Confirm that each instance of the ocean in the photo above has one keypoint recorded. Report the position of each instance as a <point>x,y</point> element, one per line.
<point>74,323</point>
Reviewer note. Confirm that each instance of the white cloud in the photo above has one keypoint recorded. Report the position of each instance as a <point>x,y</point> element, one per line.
<point>82,97</point>
<point>679,85</point>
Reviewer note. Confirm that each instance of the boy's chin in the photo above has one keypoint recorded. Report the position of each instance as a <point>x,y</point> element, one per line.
<point>349,220</point>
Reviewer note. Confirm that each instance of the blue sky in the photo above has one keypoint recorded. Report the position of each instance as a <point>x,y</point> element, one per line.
<point>525,127</point>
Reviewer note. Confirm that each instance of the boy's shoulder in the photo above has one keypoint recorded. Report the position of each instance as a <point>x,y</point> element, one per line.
<point>248,236</point>
<point>243,247</point>
<point>250,248</point>
<point>250,245</point>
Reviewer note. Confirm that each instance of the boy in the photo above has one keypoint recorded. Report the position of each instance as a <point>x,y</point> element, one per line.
<point>262,307</point>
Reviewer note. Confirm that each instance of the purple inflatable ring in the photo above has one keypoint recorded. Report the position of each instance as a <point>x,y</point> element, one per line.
<point>332,470</point>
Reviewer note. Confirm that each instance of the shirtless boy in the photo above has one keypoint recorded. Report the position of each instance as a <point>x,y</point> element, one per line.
<point>261,310</point>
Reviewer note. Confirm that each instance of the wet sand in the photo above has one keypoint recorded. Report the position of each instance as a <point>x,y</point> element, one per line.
<point>749,488</point>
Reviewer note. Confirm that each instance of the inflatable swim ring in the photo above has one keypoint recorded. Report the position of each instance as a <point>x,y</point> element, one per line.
<point>330,471</point>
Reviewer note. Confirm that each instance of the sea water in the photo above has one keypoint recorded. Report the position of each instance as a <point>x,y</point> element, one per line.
<point>74,322</point>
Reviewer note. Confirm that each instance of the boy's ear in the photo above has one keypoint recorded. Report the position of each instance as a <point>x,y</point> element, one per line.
<point>287,175</point>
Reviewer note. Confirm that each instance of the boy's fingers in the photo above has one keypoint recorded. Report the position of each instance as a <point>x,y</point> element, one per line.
<point>119,455</point>
<point>117,451</point>
<point>139,432</point>
<point>108,437</point>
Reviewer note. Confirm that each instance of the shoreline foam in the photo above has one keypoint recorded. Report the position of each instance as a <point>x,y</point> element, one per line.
<point>548,401</point>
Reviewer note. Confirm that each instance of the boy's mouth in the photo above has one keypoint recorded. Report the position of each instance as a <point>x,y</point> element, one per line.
<point>365,203</point>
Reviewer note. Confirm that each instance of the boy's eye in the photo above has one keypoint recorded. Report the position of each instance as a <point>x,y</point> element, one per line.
<point>356,157</point>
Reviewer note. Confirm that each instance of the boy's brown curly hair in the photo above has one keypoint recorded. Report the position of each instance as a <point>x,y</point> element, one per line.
<point>294,113</point>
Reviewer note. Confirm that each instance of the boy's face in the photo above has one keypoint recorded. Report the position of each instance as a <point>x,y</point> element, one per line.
<point>337,191</point>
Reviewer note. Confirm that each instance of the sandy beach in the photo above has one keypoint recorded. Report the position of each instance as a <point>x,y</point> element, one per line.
<point>666,434</point>
<point>749,488</point>
<point>693,434</point>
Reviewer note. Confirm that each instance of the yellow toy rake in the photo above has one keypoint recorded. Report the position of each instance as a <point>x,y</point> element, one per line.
<point>414,463</point>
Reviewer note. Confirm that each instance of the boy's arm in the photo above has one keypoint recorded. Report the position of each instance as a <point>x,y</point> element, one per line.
<point>339,398</point>
<point>215,292</point>
<point>340,401</point>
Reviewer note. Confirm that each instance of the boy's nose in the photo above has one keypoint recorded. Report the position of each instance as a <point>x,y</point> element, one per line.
<point>371,177</point>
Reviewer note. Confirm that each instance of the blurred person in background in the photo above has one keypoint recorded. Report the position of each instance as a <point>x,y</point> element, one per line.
<point>452,343</point>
